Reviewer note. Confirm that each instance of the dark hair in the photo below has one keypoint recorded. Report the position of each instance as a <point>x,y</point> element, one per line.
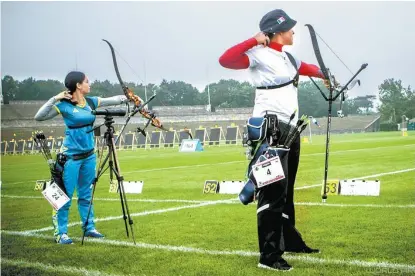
<point>72,79</point>
<point>270,35</point>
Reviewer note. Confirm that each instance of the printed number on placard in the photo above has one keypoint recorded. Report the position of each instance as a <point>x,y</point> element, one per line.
<point>56,197</point>
<point>332,186</point>
<point>39,185</point>
<point>113,187</point>
<point>210,187</point>
<point>268,171</point>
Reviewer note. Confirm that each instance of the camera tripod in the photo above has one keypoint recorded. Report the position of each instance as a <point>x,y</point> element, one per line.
<point>114,167</point>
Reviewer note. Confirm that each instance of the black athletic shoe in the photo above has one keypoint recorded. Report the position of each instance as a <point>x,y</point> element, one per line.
<point>281,264</point>
<point>306,249</point>
<point>309,250</point>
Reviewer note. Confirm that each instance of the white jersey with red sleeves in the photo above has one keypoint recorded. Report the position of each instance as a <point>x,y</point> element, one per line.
<point>269,67</point>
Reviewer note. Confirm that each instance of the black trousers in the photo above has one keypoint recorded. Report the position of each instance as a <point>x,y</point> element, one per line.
<point>276,212</point>
<point>293,240</point>
<point>271,203</point>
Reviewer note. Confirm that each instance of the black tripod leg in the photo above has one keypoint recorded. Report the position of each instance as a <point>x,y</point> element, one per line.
<point>122,194</point>
<point>113,169</point>
<point>111,173</point>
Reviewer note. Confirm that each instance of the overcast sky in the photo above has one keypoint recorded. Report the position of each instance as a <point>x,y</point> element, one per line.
<point>183,40</point>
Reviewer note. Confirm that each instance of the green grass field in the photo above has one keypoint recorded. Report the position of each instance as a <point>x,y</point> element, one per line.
<point>181,231</point>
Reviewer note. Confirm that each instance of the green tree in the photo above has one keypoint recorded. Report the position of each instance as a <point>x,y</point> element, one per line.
<point>27,90</point>
<point>10,88</point>
<point>365,102</point>
<point>229,93</point>
<point>312,103</point>
<point>175,93</point>
<point>396,101</point>
<point>104,89</point>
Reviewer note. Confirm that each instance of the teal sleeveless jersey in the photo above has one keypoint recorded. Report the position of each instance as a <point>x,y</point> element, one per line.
<point>77,140</point>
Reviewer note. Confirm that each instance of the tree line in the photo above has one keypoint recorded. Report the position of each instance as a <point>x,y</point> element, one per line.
<point>395,100</point>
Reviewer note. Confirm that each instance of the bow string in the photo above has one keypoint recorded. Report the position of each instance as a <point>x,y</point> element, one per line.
<point>129,93</point>
<point>333,84</point>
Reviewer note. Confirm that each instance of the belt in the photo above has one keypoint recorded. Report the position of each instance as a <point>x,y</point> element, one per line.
<point>82,155</point>
<point>75,127</point>
<point>294,81</point>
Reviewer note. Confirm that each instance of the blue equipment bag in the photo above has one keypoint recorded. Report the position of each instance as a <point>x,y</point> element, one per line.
<point>257,128</point>
<point>247,194</point>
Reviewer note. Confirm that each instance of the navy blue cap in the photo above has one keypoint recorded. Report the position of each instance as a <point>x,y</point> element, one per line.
<point>276,21</point>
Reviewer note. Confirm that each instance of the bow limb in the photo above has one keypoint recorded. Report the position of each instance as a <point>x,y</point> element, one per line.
<point>317,52</point>
<point>326,72</point>
<point>138,102</point>
<point>127,91</point>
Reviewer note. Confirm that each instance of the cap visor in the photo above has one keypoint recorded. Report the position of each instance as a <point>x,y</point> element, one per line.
<point>289,25</point>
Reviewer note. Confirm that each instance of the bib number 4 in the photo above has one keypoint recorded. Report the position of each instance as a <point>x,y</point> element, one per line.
<point>268,171</point>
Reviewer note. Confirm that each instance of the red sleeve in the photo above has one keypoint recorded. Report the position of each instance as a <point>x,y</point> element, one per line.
<point>310,70</point>
<point>235,57</point>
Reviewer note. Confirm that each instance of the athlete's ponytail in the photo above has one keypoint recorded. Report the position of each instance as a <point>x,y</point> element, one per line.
<point>72,79</point>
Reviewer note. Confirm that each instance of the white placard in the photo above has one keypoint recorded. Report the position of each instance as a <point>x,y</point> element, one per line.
<point>231,187</point>
<point>190,145</point>
<point>56,197</point>
<point>133,187</point>
<point>360,187</point>
<point>268,171</point>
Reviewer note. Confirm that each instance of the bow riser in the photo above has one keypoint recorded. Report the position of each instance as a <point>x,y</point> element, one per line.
<point>138,102</point>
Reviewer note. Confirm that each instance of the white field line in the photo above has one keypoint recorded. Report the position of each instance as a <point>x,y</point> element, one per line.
<point>236,201</point>
<point>19,182</point>
<point>206,201</point>
<point>145,213</point>
<point>53,268</point>
<point>386,173</point>
<point>355,205</point>
<point>245,161</point>
<point>230,201</point>
<point>183,167</point>
<point>153,170</point>
<point>353,150</point>
<point>214,164</point>
<point>117,199</point>
<point>360,177</point>
<point>307,187</point>
<point>313,260</point>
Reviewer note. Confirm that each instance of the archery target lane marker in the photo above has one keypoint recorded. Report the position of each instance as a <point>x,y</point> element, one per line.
<point>232,187</point>
<point>211,187</point>
<point>130,187</point>
<point>332,187</point>
<point>352,187</point>
<point>359,187</point>
<point>41,185</point>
